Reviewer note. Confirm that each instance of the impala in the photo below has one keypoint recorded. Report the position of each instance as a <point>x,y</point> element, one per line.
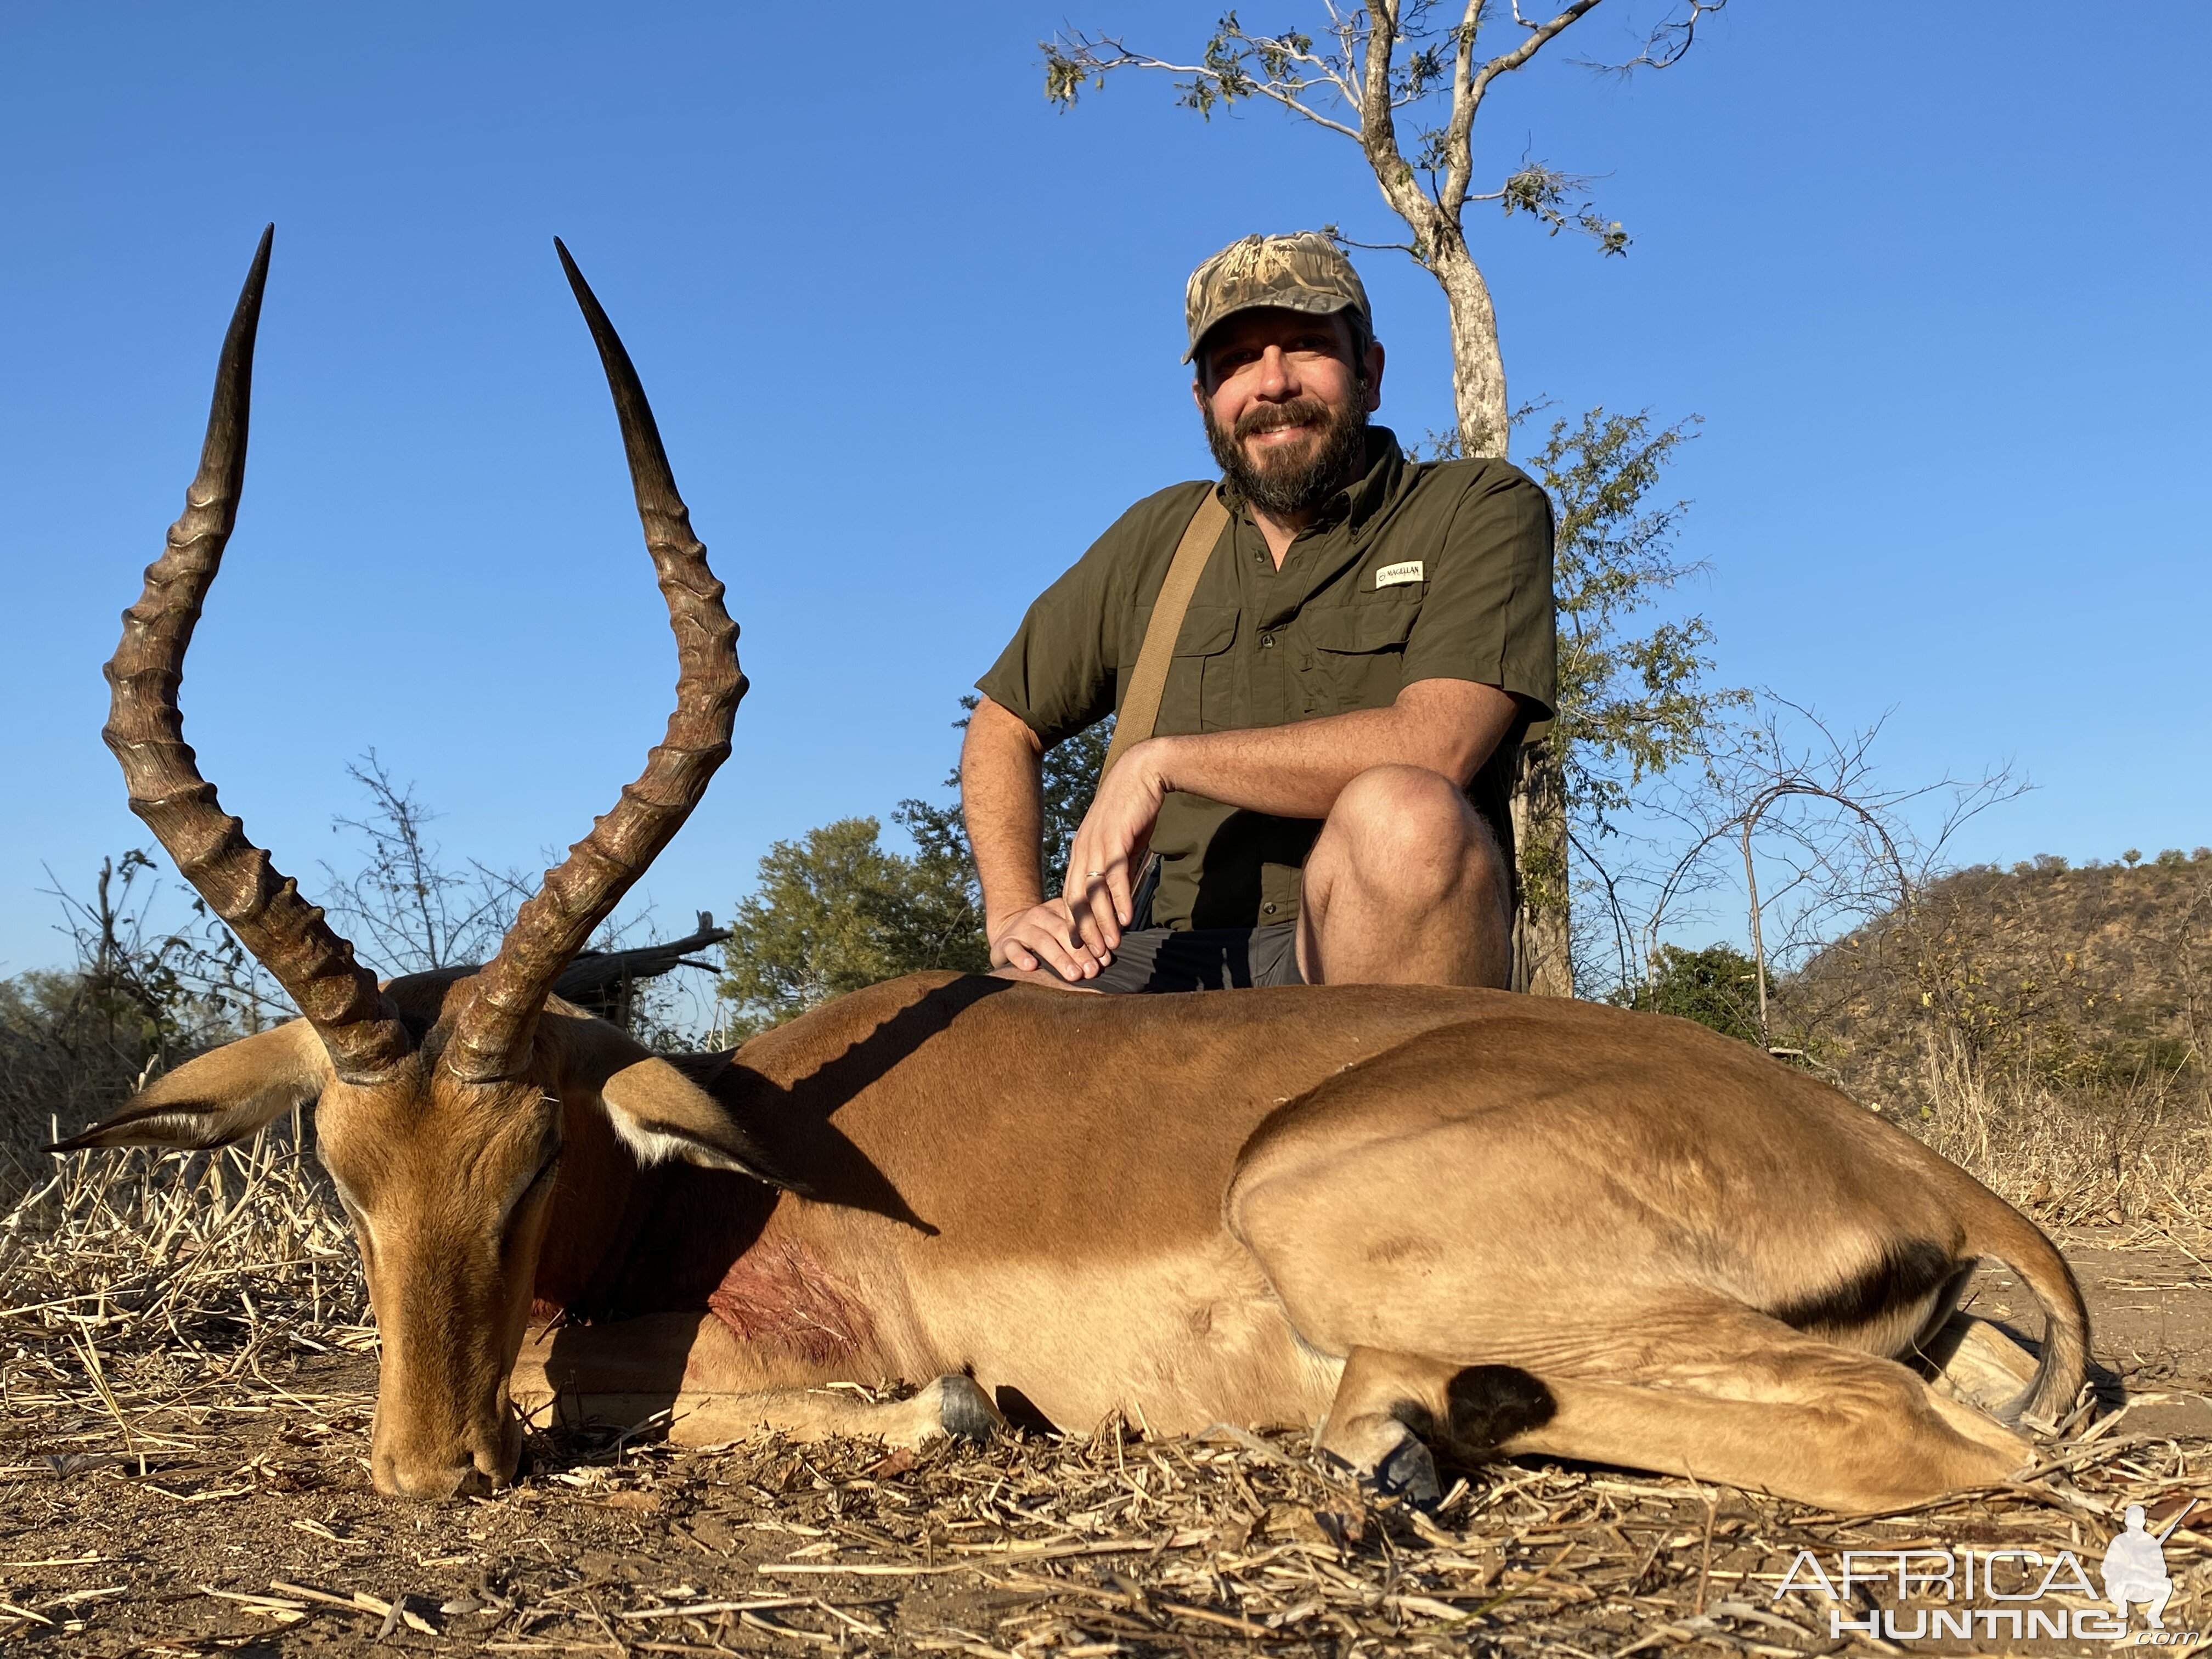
<point>1416,1218</point>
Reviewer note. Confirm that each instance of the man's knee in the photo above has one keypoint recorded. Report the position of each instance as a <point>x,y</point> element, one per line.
<point>1410,831</point>
<point>1409,803</point>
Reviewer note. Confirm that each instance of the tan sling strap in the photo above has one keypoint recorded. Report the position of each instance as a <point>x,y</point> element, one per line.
<point>1141,710</point>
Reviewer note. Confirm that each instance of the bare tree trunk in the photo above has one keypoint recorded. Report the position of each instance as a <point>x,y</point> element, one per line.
<point>1541,961</point>
<point>1543,964</point>
<point>1478,367</point>
<point>1539,802</point>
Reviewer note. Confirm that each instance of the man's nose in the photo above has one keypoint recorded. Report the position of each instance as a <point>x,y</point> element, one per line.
<point>1277,377</point>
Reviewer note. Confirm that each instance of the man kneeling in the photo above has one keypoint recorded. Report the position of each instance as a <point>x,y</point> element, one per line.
<point>1322,792</point>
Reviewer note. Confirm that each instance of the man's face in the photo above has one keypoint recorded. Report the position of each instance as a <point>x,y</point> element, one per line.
<point>1284,404</point>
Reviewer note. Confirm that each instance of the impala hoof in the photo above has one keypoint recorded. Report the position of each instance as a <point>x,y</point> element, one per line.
<point>1392,1463</point>
<point>964,1412</point>
<point>1410,1473</point>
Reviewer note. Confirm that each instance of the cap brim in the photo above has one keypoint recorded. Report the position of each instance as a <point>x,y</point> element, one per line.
<point>1317,305</point>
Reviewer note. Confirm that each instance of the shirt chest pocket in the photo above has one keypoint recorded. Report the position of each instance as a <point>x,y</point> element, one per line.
<point>1200,695</point>
<point>1358,653</point>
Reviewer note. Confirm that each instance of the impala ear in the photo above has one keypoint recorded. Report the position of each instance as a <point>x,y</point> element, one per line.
<point>661,1114</point>
<point>223,1096</point>
<point>658,1105</point>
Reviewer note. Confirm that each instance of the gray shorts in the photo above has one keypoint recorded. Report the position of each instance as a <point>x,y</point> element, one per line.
<point>1203,959</point>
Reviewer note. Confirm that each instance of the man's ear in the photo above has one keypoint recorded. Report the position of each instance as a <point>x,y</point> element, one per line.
<point>661,1114</point>
<point>223,1096</point>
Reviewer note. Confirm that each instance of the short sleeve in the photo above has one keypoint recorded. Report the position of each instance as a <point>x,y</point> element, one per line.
<point>1057,672</point>
<point>1062,672</point>
<point>1487,615</point>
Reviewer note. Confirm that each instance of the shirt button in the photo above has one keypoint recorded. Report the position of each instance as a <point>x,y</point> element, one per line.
<point>1267,909</point>
<point>1267,641</point>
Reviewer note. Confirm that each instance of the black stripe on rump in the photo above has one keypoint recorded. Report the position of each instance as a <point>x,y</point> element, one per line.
<point>1904,1273</point>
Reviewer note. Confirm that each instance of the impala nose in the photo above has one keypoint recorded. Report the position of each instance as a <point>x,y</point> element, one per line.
<point>434,1479</point>
<point>438,1472</point>
<point>438,1460</point>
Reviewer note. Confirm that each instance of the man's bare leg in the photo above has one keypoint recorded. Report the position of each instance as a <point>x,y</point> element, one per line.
<point>1406,886</point>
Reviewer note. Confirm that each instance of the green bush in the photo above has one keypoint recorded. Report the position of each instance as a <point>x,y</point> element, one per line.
<point>1717,987</point>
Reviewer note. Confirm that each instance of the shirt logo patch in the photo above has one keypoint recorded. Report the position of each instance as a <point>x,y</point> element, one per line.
<point>1390,575</point>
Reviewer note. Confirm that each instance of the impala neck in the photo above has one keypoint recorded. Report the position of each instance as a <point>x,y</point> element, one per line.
<point>627,1240</point>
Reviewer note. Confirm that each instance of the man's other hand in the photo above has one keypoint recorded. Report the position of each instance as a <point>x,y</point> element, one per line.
<point>1046,936</point>
<point>1108,850</point>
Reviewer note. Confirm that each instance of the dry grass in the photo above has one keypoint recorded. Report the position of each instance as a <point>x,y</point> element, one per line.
<point>167,1275</point>
<point>2136,1152</point>
<point>1036,1546</point>
<point>1114,1543</point>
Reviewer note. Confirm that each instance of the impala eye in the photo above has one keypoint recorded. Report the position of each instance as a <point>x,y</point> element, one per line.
<point>545,1170</point>
<point>537,1184</point>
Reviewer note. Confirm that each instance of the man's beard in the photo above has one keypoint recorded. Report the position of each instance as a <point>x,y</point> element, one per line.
<point>1292,480</point>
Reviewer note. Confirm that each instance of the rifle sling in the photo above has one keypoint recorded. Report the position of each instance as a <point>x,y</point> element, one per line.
<point>1140,708</point>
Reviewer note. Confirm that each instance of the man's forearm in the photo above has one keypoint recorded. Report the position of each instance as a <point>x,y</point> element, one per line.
<point>1002,796</point>
<point>1298,771</point>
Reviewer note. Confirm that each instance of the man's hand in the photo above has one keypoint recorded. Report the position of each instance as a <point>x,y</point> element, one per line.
<point>1045,936</point>
<point>1108,850</point>
<point>999,790</point>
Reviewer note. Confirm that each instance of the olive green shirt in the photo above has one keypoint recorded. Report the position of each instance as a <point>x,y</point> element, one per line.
<point>1419,571</point>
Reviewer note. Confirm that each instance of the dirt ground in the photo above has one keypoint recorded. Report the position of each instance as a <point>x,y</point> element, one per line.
<point>242,1520</point>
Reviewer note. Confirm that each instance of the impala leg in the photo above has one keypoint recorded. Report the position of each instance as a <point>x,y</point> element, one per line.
<point>1734,1397</point>
<point>1853,1458</point>
<point>1977,1360</point>
<point>948,1408</point>
<point>1729,1395</point>
<point>630,1372</point>
<point>1388,1405</point>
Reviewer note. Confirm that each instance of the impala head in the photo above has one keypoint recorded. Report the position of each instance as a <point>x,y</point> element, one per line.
<point>444,1099</point>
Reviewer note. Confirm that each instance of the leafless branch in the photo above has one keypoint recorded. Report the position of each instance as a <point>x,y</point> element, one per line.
<point>410,910</point>
<point>1849,852</point>
<point>1616,910</point>
<point>1665,45</point>
<point>1540,36</point>
<point>1338,236</point>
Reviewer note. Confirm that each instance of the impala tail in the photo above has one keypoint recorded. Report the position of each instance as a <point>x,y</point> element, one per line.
<point>1995,1229</point>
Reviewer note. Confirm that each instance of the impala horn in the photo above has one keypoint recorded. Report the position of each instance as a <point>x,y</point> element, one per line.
<point>287,935</point>
<point>493,1032</point>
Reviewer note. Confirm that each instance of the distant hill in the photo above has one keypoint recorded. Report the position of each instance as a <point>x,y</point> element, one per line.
<point>2095,979</point>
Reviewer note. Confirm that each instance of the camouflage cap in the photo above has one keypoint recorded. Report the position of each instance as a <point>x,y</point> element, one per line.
<point>1303,272</point>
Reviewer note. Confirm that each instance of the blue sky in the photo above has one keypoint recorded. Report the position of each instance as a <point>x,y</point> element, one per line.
<point>1936,280</point>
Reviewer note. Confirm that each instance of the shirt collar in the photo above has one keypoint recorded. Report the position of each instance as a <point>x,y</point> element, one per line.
<point>1386,464</point>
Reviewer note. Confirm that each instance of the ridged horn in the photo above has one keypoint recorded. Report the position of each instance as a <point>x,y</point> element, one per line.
<point>145,729</point>
<point>492,1035</point>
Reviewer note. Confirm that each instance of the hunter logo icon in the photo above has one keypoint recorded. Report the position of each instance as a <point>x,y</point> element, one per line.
<point>2135,1567</point>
